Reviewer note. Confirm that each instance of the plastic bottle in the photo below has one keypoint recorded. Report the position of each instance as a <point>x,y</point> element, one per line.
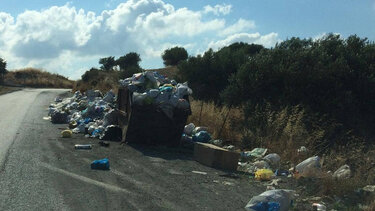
<point>83,146</point>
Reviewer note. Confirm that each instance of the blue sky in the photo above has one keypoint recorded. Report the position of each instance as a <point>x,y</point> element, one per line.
<point>69,37</point>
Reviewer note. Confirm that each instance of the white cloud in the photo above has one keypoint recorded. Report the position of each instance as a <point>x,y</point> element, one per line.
<point>240,26</point>
<point>223,9</point>
<point>268,40</point>
<point>68,40</point>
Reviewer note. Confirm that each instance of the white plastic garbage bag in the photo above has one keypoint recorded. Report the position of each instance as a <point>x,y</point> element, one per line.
<point>343,172</point>
<point>188,130</point>
<point>273,159</point>
<point>281,197</point>
<point>309,168</point>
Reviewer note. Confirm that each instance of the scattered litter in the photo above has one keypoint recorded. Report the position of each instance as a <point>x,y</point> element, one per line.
<point>199,172</point>
<point>264,174</point>
<point>188,130</point>
<point>83,146</point>
<point>319,207</point>
<point>369,188</point>
<point>217,142</point>
<point>229,147</point>
<point>102,164</point>
<point>199,129</point>
<point>273,159</point>
<point>343,172</point>
<point>274,200</point>
<point>275,182</point>
<point>255,153</point>
<point>302,150</point>
<point>47,118</point>
<point>66,133</point>
<point>112,133</point>
<point>202,136</point>
<point>308,168</point>
<point>104,143</point>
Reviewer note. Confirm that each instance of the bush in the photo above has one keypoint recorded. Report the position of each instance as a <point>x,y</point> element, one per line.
<point>174,55</point>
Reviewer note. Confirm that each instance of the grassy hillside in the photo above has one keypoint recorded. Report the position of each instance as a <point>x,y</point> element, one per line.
<point>31,77</point>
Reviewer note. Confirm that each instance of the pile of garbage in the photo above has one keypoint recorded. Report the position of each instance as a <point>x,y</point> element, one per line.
<point>90,113</point>
<point>152,89</point>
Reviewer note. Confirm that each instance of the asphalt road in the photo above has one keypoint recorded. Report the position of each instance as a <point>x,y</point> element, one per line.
<point>41,171</point>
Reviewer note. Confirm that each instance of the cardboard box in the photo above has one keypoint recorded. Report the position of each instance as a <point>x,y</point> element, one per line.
<point>214,156</point>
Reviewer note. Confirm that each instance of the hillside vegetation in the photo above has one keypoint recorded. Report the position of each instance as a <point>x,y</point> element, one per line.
<point>31,77</point>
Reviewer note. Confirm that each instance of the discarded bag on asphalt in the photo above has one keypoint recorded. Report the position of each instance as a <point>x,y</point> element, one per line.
<point>102,164</point>
<point>278,200</point>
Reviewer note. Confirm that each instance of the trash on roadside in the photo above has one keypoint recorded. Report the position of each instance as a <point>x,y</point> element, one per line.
<point>255,153</point>
<point>261,164</point>
<point>279,172</point>
<point>59,117</point>
<point>72,124</point>
<point>273,159</point>
<point>274,182</point>
<point>264,174</point>
<point>104,143</point>
<point>319,207</point>
<point>275,200</point>
<point>302,150</point>
<point>66,133</point>
<point>214,156</point>
<point>199,129</point>
<point>188,129</point>
<point>217,142</point>
<point>83,146</point>
<point>199,172</point>
<point>343,172</point>
<point>308,168</point>
<point>112,133</point>
<point>47,118</point>
<point>102,164</point>
<point>229,147</point>
<point>202,136</point>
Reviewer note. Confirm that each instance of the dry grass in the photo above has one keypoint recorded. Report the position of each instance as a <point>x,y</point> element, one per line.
<point>6,89</point>
<point>31,77</point>
<point>171,71</point>
<point>213,118</point>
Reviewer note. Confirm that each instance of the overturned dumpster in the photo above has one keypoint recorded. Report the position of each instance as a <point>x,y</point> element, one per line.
<point>157,109</point>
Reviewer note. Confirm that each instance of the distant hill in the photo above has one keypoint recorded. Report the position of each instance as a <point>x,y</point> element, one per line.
<point>31,77</point>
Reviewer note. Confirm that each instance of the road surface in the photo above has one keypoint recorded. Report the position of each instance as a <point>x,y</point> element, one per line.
<point>41,171</point>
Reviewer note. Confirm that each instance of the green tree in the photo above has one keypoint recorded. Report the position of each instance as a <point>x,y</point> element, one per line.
<point>174,55</point>
<point>3,70</point>
<point>208,74</point>
<point>107,63</point>
<point>131,59</point>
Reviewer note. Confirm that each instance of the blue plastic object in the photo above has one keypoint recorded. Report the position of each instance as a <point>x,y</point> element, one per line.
<point>87,120</point>
<point>202,136</point>
<point>267,206</point>
<point>102,164</point>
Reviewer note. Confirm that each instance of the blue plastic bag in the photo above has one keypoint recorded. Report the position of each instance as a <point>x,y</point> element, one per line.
<point>102,164</point>
<point>202,136</point>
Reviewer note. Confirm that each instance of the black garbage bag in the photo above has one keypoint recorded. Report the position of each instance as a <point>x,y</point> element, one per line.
<point>112,133</point>
<point>59,117</point>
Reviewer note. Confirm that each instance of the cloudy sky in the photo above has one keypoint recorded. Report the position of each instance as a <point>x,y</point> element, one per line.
<point>69,37</point>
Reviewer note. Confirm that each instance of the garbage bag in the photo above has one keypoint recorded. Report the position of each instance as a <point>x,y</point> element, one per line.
<point>269,199</point>
<point>102,164</point>
<point>343,172</point>
<point>109,97</point>
<point>112,133</point>
<point>264,174</point>
<point>255,153</point>
<point>59,117</point>
<point>309,168</point>
<point>261,164</point>
<point>188,130</point>
<point>273,159</point>
<point>202,136</point>
<point>199,129</point>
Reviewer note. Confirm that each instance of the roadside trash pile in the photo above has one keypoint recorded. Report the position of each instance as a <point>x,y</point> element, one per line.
<point>197,134</point>
<point>151,88</point>
<point>91,113</point>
